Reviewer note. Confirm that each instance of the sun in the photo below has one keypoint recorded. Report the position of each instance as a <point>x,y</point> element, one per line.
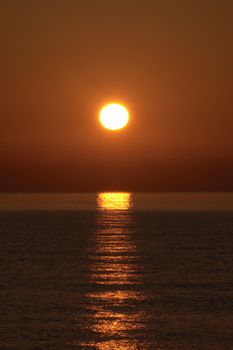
<point>114,116</point>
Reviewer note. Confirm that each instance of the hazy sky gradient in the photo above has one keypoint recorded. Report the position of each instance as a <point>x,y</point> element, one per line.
<point>169,61</point>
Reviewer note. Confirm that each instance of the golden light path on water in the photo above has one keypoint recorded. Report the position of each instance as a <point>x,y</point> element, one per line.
<point>115,276</point>
<point>114,201</point>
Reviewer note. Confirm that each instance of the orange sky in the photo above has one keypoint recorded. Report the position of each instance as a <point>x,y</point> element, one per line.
<point>170,62</point>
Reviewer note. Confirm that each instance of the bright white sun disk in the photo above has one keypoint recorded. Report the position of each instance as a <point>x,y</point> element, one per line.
<point>114,116</point>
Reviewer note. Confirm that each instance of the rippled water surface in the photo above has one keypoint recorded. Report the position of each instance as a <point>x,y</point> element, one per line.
<point>114,275</point>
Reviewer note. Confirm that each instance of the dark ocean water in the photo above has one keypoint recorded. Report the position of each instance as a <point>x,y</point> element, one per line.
<point>116,271</point>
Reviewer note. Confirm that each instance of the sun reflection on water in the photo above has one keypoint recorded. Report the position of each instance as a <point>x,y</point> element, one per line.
<point>115,278</point>
<point>114,201</point>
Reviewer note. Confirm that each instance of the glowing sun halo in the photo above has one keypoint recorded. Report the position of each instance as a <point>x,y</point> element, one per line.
<point>114,116</point>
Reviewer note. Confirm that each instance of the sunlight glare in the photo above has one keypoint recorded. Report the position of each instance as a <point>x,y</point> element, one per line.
<point>114,116</point>
<point>114,201</point>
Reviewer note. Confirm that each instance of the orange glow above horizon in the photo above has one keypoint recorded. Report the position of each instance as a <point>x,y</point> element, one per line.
<point>114,116</point>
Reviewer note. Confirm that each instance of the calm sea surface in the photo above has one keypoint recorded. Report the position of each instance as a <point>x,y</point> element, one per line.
<point>116,271</point>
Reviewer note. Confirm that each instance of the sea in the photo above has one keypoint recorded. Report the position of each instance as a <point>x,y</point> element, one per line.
<point>116,270</point>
